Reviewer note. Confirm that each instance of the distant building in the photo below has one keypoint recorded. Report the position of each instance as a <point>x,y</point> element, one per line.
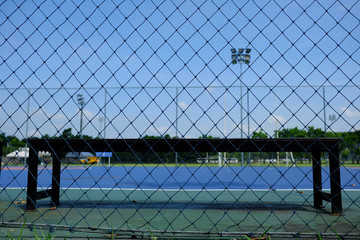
<point>22,155</point>
<point>18,156</point>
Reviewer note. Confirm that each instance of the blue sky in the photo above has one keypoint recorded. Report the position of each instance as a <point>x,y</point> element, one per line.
<point>142,52</point>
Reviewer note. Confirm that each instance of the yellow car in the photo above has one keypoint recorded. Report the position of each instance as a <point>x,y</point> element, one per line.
<point>90,160</point>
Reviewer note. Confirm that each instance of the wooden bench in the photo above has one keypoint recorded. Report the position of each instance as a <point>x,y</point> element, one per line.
<point>315,146</point>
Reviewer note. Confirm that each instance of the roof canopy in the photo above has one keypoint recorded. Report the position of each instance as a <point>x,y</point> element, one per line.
<point>78,154</point>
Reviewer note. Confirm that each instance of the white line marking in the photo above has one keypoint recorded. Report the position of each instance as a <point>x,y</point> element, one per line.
<point>189,190</point>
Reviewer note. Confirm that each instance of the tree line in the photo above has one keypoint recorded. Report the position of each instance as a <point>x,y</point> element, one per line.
<point>349,147</point>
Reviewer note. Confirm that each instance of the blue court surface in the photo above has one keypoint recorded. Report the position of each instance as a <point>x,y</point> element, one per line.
<point>189,178</point>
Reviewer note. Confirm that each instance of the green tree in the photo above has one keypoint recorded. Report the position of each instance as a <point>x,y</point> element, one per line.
<point>46,136</point>
<point>3,137</point>
<point>11,143</point>
<point>84,136</point>
<point>15,142</point>
<point>205,136</point>
<point>351,146</point>
<point>292,132</point>
<point>315,132</point>
<point>4,140</point>
<point>260,134</point>
<point>67,133</point>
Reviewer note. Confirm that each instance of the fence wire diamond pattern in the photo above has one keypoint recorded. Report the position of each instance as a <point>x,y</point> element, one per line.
<point>141,118</point>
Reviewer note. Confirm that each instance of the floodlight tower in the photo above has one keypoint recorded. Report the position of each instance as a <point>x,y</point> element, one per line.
<point>332,118</point>
<point>241,56</point>
<point>101,119</point>
<point>81,102</point>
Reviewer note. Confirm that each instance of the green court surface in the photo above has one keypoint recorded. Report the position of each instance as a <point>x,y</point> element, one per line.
<point>128,213</point>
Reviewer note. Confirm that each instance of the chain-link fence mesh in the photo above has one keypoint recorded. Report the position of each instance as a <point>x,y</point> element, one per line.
<point>179,70</point>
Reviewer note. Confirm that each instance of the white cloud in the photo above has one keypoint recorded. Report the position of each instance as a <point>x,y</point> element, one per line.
<point>212,87</point>
<point>183,105</point>
<point>273,119</point>
<point>88,114</point>
<point>158,130</point>
<point>44,115</point>
<point>59,116</point>
<point>351,113</point>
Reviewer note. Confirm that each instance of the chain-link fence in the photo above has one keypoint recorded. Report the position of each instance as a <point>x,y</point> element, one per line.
<point>181,118</point>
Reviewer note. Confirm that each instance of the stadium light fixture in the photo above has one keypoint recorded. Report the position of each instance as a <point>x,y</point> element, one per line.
<point>241,57</point>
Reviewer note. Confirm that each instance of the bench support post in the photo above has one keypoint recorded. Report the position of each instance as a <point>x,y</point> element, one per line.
<point>317,181</point>
<point>32,180</point>
<point>55,184</point>
<point>335,184</point>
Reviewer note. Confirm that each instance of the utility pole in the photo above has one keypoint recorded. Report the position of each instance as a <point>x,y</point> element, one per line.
<point>81,102</point>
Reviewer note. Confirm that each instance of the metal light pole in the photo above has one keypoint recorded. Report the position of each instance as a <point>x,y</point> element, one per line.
<point>105,112</point>
<point>81,102</point>
<point>324,102</point>
<point>176,121</point>
<point>332,118</point>
<point>248,118</point>
<point>241,56</point>
<point>225,114</point>
<point>101,119</point>
<point>27,129</point>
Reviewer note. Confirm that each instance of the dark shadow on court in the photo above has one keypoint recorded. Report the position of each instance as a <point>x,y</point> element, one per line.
<point>187,206</point>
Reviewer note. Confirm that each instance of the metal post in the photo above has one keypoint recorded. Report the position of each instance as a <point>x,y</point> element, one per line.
<point>248,116</point>
<point>325,125</point>
<point>224,132</point>
<point>27,127</point>
<point>277,136</point>
<point>176,121</point>
<point>241,113</point>
<point>105,113</point>
<point>1,154</point>
<point>80,99</point>
<point>81,121</point>
<point>100,128</point>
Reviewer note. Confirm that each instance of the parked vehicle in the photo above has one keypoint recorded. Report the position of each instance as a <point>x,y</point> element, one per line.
<point>90,160</point>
